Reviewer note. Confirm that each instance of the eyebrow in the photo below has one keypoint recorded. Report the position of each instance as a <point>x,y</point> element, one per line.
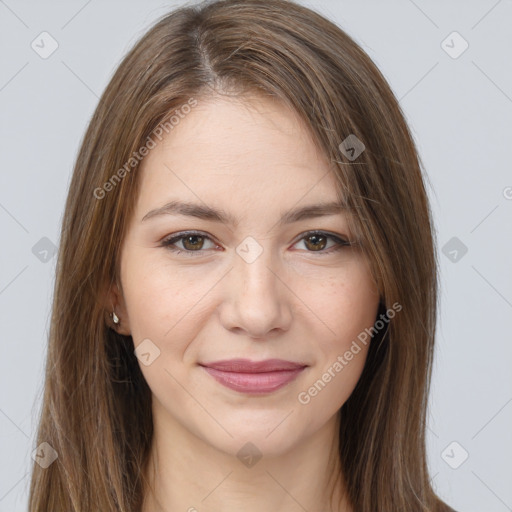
<point>219,215</point>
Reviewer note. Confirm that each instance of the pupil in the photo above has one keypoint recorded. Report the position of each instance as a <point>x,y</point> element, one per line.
<point>315,239</point>
<point>195,244</point>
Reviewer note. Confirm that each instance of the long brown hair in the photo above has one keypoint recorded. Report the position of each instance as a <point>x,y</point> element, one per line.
<point>96,410</point>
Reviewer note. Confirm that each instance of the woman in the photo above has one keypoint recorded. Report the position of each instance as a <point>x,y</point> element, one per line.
<point>245,303</point>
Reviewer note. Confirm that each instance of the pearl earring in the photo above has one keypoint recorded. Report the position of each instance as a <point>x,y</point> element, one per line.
<point>115,318</point>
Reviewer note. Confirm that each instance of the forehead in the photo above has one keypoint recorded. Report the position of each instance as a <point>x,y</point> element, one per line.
<point>237,150</point>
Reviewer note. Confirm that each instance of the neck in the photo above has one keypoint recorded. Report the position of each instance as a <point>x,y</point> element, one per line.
<point>185,473</point>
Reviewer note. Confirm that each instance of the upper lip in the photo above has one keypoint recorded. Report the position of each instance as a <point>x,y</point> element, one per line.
<point>248,366</point>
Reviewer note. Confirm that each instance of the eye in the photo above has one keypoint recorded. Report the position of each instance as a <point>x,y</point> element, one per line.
<point>316,241</point>
<point>194,241</point>
<point>191,241</point>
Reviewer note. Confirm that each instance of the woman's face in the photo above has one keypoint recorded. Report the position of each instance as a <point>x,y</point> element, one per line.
<point>254,286</point>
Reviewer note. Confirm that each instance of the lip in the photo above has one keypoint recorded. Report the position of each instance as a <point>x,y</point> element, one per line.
<point>254,377</point>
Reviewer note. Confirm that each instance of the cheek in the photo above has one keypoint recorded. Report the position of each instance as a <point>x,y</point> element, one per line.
<point>328,389</point>
<point>162,301</point>
<point>349,309</point>
<point>164,306</point>
<point>345,305</point>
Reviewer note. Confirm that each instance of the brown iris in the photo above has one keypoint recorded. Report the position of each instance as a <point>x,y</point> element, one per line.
<point>315,240</point>
<point>193,242</point>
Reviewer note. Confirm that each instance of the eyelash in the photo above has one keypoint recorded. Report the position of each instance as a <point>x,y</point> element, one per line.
<point>169,242</point>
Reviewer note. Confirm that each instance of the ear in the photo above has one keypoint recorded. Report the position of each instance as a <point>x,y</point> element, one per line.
<point>114,301</point>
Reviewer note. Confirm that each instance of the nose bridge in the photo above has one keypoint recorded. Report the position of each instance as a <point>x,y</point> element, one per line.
<point>255,302</point>
<point>254,267</point>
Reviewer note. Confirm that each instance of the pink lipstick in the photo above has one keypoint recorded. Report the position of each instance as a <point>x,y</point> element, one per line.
<point>254,377</point>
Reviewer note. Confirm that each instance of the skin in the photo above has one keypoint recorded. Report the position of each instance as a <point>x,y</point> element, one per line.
<point>254,159</point>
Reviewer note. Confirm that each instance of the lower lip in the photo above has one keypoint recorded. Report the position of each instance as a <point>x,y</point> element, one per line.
<point>254,383</point>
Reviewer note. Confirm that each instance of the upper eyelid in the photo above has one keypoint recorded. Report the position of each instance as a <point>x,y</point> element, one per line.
<point>178,236</point>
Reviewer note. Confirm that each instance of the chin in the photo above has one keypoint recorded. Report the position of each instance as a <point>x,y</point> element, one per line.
<point>271,434</point>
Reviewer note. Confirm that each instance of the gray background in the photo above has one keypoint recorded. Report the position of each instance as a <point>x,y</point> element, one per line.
<point>460,112</point>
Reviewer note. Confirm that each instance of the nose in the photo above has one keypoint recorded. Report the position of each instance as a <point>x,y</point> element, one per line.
<point>257,300</point>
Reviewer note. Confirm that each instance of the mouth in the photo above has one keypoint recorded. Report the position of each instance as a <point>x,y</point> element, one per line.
<point>254,377</point>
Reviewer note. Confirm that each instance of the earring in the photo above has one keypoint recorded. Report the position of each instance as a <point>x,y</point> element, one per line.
<point>115,318</point>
